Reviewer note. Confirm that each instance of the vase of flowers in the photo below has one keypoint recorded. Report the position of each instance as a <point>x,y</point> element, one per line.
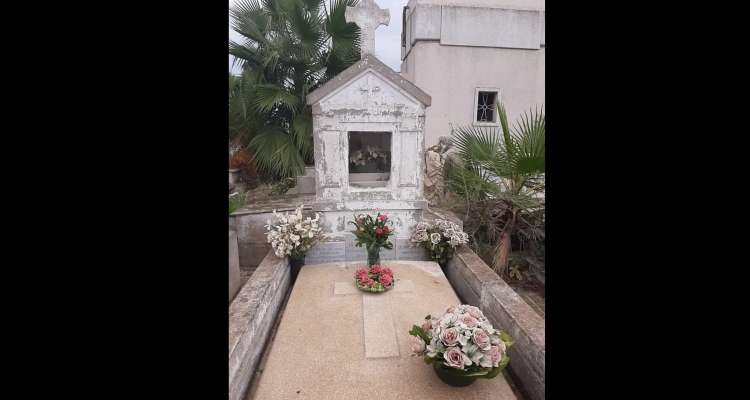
<point>373,234</point>
<point>441,239</point>
<point>374,279</point>
<point>462,345</point>
<point>292,235</point>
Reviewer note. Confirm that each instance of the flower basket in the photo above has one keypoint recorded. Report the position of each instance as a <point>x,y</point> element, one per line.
<point>440,239</point>
<point>375,279</point>
<point>462,345</point>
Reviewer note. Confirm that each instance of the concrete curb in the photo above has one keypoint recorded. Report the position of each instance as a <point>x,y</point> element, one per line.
<point>251,316</point>
<point>479,285</point>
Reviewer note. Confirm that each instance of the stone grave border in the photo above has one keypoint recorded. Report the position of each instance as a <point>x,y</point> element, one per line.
<point>477,284</point>
<point>255,309</point>
<point>252,315</point>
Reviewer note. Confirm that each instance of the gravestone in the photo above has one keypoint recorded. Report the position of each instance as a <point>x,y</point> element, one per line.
<point>368,139</point>
<point>348,344</point>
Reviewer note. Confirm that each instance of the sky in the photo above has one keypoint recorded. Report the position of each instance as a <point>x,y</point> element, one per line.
<point>387,38</point>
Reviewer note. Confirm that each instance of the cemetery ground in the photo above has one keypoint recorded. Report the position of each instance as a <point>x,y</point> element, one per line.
<point>260,202</point>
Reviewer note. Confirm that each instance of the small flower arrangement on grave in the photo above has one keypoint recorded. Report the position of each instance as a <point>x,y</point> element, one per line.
<point>440,239</point>
<point>293,235</point>
<point>376,278</point>
<point>373,233</point>
<point>462,345</point>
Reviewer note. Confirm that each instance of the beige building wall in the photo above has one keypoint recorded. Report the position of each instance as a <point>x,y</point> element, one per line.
<point>453,47</point>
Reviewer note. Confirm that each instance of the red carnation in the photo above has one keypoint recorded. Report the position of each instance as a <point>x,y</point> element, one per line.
<point>387,271</point>
<point>386,279</point>
<point>375,269</point>
<point>386,229</point>
<point>378,231</point>
<point>383,217</point>
<point>361,272</point>
<point>370,282</point>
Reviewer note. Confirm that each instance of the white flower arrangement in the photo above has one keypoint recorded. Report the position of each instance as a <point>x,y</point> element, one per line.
<point>462,339</point>
<point>441,239</point>
<point>293,235</point>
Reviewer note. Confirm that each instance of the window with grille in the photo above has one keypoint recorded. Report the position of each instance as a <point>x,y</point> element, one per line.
<point>485,106</point>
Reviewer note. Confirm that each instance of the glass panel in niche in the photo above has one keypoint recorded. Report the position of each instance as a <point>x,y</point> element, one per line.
<point>369,159</point>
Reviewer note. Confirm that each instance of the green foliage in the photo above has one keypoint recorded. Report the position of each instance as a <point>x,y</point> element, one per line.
<point>506,338</point>
<point>237,201</point>
<point>372,232</point>
<point>420,333</point>
<point>289,48</point>
<point>283,185</point>
<point>499,173</point>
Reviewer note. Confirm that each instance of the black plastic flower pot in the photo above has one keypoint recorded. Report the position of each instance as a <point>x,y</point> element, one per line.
<point>451,378</point>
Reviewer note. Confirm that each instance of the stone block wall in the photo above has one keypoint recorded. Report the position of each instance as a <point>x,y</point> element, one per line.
<point>234,266</point>
<point>251,317</point>
<point>478,285</point>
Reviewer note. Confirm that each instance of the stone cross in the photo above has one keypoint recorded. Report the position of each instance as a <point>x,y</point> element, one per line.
<point>368,16</point>
<point>379,329</point>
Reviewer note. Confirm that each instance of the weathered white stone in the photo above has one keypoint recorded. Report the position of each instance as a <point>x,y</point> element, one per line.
<point>368,97</point>
<point>368,17</point>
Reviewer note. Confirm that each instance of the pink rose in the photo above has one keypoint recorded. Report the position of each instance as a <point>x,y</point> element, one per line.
<point>469,321</point>
<point>361,272</point>
<point>363,280</point>
<point>375,269</point>
<point>474,312</point>
<point>449,336</point>
<point>455,358</point>
<point>495,355</point>
<point>370,282</point>
<point>427,325</point>
<point>378,231</point>
<point>481,339</point>
<point>383,217</point>
<point>417,345</point>
<point>386,280</point>
<point>388,271</point>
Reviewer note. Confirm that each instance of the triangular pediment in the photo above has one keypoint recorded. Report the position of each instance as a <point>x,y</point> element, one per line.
<point>368,76</point>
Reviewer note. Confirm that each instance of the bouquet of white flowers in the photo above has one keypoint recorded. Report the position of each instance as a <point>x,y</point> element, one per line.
<point>462,343</point>
<point>292,235</point>
<point>441,239</point>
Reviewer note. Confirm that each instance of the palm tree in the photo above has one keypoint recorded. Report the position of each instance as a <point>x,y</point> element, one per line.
<point>502,171</point>
<point>290,48</point>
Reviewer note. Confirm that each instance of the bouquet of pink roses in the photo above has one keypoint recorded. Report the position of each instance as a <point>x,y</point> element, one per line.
<point>463,343</point>
<point>374,279</point>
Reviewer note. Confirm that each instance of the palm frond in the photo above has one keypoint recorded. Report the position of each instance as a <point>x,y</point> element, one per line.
<point>269,96</point>
<point>289,48</point>
<point>249,20</point>
<point>275,152</point>
<point>301,131</point>
<point>528,135</point>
